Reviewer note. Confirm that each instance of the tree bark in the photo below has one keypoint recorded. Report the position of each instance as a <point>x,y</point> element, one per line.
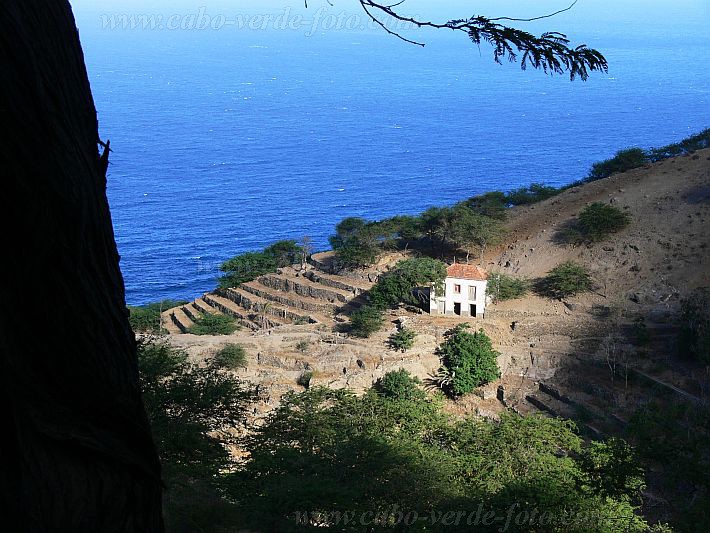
<point>79,456</point>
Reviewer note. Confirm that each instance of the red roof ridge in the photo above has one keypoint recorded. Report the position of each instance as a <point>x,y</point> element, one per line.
<point>465,271</point>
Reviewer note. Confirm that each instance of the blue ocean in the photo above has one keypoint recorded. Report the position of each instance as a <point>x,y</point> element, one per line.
<point>228,138</point>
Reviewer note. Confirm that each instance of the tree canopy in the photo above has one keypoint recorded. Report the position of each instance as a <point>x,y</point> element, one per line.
<point>328,458</point>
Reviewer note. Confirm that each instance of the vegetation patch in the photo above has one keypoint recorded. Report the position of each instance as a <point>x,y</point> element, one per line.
<point>694,338</point>
<point>250,265</point>
<point>469,360</point>
<point>231,357</point>
<point>400,385</point>
<point>302,346</point>
<point>188,407</point>
<point>213,324</point>
<point>622,161</point>
<point>502,287</point>
<point>398,285</point>
<point>366,321</point>
<point>403,339</point>
<point>146,318</point>
<point>566,279</point>
<point>388,455</point>
<point>304,380</point>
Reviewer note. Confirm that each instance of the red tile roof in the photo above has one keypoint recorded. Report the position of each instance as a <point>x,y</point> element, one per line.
<point>463,271</point>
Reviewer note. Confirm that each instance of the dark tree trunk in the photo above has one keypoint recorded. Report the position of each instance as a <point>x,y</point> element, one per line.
<point>79,456</point>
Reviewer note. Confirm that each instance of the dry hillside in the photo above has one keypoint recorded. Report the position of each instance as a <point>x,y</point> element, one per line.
<point>558,356</point>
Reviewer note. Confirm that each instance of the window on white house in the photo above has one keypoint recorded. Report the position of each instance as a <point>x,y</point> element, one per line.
<point>472,293</point>
<point>457,289</point>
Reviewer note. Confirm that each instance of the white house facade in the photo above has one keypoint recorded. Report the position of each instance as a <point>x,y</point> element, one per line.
<point>464,292</point>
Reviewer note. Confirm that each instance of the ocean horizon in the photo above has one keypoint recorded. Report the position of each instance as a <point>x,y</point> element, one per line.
<point>226,140</point>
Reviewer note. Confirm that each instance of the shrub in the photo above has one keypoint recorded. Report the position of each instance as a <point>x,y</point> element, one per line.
<point>365,321</point>
<point>623,160</point>
<point>146,318</point>
<point>699,141</point>
<point>598,220</point>
<point>566,279</point>
<point>302,346</point>
<point>213,324</point>
<point>232,356</point>
<point>304,380</point>
<point>400,385</point>
<point>694,337</point>
<point>397,286</point>
<point>531,194</point>
<point>491,204</point>
<point>402,340</point>
<point>470,359</point>
<point>503,287</point>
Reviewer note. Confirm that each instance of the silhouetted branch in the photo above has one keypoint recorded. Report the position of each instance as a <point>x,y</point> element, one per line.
<point>550,52</point>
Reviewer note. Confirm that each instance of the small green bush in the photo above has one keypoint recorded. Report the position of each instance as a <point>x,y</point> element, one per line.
<point>302,346</point>
<point>469,359</point>
<point>623,160</point>
<point>365,321</point>
<point>400,385</point>
<point>598,220</point>
<point>566,279</point>
<point>503,287</point>
<point>232,356</point>
<point>213,324</point>
<point>402,340</point>
<point>146,318</point>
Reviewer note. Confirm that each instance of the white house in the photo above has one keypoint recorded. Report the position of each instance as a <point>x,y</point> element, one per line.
<point>464,292</point>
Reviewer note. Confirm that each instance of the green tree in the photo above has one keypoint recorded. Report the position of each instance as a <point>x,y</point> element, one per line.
<point>284,253</point>
<point>409,229</point>
<point>566,279</point>
<point>189,406</point>
<point>397,286</point>
<point>598,220</point>
<point>355,242</point>
<point>399,450</point>
<point>246,267</point>
<point>471,231</point>
<point>365,321</point>
<point>502,287</point>
<point>470,359</point>
<point>403,339</point>
<point>492,204</point>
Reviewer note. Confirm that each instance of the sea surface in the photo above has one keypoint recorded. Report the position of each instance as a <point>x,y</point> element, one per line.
<point>227,140</point>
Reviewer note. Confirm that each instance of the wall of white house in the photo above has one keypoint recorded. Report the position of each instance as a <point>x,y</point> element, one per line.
<point>464,297</point>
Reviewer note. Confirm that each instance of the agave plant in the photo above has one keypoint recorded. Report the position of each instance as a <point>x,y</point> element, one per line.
<point>442,379</point>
